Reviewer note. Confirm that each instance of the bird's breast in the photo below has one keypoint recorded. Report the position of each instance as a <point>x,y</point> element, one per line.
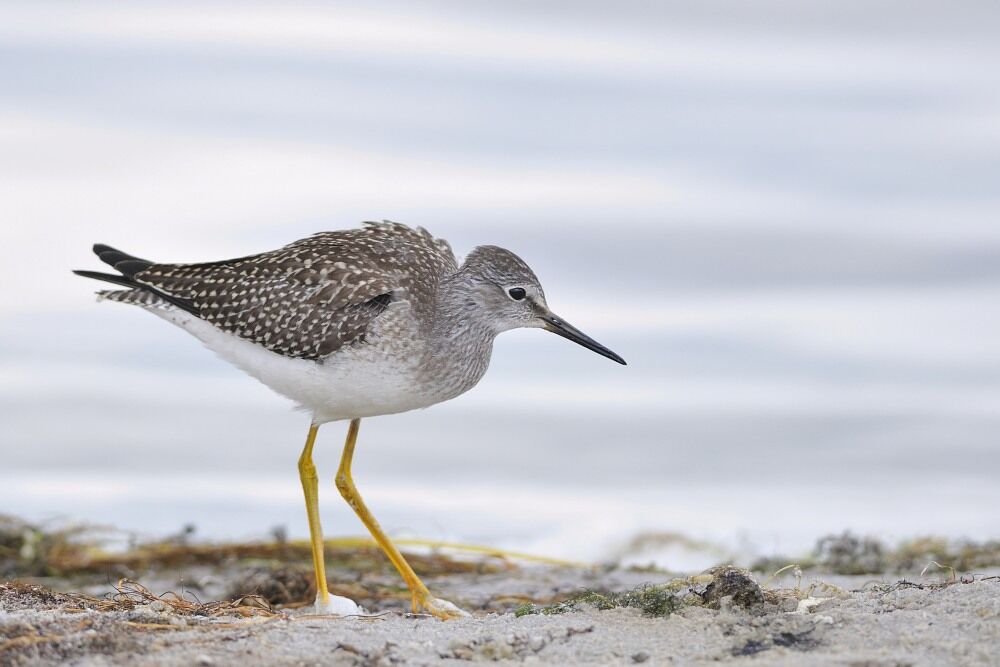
<point>397,369</point>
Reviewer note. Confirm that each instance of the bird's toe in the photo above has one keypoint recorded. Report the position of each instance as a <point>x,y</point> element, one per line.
<point>442,609</point>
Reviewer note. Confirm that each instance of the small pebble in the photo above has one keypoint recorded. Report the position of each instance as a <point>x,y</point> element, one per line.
<point>204,661</point>
<point>641,656</point>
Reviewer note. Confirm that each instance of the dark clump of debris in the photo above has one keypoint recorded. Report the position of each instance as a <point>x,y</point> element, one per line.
<point>734,583</point>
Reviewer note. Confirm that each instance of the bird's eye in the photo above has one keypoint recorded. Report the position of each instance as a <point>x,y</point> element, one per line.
<point>517,293</point>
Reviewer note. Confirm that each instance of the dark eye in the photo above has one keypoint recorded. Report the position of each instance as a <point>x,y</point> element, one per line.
<point>517,293</point>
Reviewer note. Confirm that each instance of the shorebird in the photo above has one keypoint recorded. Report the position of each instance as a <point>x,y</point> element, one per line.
<point>350,324</point>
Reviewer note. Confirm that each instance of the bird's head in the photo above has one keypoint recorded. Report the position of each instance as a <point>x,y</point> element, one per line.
<point>504,293</point>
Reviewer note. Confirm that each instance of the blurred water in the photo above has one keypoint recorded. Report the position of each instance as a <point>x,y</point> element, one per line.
<point>782,215</point>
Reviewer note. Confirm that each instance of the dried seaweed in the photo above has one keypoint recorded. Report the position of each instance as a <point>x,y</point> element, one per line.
<point>131,595</point>
<point>28,550</point>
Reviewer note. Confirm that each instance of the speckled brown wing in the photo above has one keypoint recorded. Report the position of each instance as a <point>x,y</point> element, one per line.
<point>312,297</point>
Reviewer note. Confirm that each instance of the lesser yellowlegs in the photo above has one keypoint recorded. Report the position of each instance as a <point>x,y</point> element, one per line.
<point>350,324</point>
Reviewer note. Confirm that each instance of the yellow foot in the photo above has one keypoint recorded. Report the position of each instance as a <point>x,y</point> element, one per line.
<point>442,609</point>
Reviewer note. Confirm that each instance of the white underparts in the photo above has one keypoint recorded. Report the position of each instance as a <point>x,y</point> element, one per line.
<point>355,382</point>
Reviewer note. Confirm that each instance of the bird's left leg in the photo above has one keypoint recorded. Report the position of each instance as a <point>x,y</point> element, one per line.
<point>325,603</point>
<point>422,597</point>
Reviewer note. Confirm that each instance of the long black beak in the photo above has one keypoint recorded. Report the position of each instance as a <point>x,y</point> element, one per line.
<point>559,326</point>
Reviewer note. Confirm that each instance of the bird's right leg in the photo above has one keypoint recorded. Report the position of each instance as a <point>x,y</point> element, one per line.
<point>422,597</point>
<point>325,603</point>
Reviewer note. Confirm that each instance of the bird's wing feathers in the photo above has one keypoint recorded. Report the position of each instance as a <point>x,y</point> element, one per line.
<point>311,297</point>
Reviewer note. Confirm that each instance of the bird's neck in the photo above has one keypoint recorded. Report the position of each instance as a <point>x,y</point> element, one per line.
<point>462,337</point>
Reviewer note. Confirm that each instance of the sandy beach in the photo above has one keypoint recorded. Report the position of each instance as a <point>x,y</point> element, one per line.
<point>248,604</point>
<point>884,625</point>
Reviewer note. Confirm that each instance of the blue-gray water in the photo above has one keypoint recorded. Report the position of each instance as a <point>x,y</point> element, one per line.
<point>784,215</point>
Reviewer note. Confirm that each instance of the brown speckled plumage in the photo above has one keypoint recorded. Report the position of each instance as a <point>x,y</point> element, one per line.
<point>314,296</point>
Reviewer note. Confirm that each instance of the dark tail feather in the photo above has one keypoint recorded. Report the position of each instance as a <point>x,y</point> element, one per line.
<point>129,266</point>
<point>121,261</point>
<point>109,278</point>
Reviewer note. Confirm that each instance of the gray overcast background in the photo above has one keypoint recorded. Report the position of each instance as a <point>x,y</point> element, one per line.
<point>784,215</point>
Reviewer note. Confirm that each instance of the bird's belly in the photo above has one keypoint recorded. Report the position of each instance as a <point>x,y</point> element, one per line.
<point>366,385</point>
<point>363,381</point>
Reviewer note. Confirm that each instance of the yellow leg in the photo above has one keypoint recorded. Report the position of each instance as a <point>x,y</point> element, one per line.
<point>325,603</point>
<point>345,483</point>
